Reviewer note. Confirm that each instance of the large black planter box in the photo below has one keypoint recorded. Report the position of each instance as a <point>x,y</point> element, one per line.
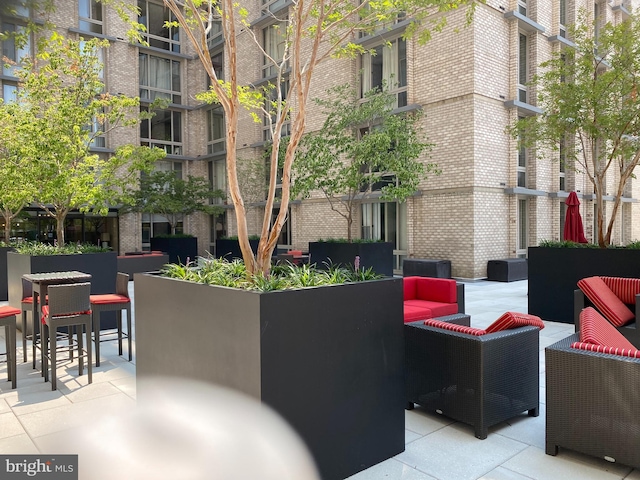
<point>101,266</point>
<point>4,284</point>
<point>419,267</point>
<point>143,262</point>
<point>329,359</point>
<point>229,248</point>
<point>554,274</point>
<point>378,255</point>
<point>179,249</point>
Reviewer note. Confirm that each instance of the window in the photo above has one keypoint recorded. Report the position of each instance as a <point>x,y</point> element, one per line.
<point>215,130</point>
<point>522,163</point>
<point>153,16</point>
<point>563,217</point>
<point>159,78</point>
<point>214,36</point>
<point>268,120</point>
<point>274,40</point>
<point>16,8</point>
<point>523,227</point>
<point>9,92</point>
<point>271,6</point>
<point>523,69</point>
<point>164,131</point>
<point>15,47</point>
<point>218,177</point>
<point>387,222</point>
<point>90,16</point>
<point>522,7</point>
<point>217,60</point>
<point>563,18</point>
<point>218,229</point>
<point>97,52</point>
<point>387,68</point>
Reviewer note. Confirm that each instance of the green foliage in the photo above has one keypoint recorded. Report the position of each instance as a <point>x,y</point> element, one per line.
<point>163,193</point>
<point>38,249</point>
<point>62,108</point>
<point>570,244</point>
<point>590,102</point>
<point>362,146</point>
<point>212,271</point>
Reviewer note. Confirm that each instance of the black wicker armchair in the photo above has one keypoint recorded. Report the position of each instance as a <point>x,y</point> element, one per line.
<point>478,380</point>
<point>592,403</point>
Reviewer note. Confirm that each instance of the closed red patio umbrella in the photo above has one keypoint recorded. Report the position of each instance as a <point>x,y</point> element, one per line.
<point>573,229</point>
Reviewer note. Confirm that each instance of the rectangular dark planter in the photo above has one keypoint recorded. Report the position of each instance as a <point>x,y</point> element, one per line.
<point>554,274</point>
<point>101,266</point>
<point>420,267</point>
<point>179,249</point>
<point>150,262</point>
<point>378,255</point>
<point>507,270</point>
<point>4,284</point>
<point>329,359</point>
<point>229,248</point>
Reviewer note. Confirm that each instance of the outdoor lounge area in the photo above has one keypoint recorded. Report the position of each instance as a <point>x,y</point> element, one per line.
<point>33,418</point>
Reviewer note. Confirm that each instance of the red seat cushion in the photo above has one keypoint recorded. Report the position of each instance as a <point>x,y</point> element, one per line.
<point>597,330</point>
<point>438,309</point>
<point>412,313</point>
<point>108,298</point>
<point>514,320</point>
<point>433,322</point>
<point>27,300</point>
<point>409,287</point>
<point>599,293</point>
<point>7,311</point>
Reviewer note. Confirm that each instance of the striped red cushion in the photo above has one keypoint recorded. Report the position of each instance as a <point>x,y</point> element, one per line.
<point>603,349</point>
<point>625,289</point>
<point>432,322</point>
<point>599,293</point>
<point>45,313</point>
<point>597,330</point>
<point>514,320</point>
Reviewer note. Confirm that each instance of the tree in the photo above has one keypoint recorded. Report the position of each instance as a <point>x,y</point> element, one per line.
<point>315,31</point>
<point>63,109</point>
<point>361,145</point>
<point>163,193</point>
<point>589,97</point>
<point>16,189</point>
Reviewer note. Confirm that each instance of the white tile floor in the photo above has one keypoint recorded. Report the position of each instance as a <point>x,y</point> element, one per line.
<point>33,418</point>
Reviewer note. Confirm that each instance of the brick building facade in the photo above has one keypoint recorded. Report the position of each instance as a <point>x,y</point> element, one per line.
<point>490,201</point>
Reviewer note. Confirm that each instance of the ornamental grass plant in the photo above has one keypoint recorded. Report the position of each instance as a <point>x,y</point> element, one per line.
<point>218,271</point>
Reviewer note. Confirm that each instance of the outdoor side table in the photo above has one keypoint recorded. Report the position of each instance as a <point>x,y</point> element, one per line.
<point>40,282</point>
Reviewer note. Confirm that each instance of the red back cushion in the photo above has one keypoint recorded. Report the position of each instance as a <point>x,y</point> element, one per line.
<point>514,320</point>
<point>602,349</point>
<point>625,289</point>
<point>432,322</point>
<point>409,287</point>
<point>599,293</point>
<point>597,330</point>
<point>436,289</point>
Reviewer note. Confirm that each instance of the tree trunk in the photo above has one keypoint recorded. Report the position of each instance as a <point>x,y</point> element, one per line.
<point>349,224</point>
<point>60,217</point>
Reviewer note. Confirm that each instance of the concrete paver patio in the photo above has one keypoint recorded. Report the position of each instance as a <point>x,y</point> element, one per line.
<point>33,418</point>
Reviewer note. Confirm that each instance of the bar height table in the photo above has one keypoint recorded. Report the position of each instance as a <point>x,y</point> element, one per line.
<point>40,283</point>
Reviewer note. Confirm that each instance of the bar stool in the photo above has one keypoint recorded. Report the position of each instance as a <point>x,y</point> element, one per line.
<point>68,306</point>
<point>8,321</point>
<point>113,302</point>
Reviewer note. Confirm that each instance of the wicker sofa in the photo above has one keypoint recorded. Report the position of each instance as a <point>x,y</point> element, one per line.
<point>592,403</point>
<point>480,380</point>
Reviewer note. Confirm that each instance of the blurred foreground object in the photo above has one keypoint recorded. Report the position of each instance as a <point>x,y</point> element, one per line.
<point>192,431</point>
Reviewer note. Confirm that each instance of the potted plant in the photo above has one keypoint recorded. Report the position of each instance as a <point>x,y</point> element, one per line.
<point>363,151</point>
<point>165,194</point>
<point>322,349</point>
<point>229,247</point>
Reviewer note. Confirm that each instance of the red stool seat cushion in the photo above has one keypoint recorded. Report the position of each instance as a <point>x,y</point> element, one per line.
<point>108,298</point>
<point>45,313</point>
<point>7,311</point>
